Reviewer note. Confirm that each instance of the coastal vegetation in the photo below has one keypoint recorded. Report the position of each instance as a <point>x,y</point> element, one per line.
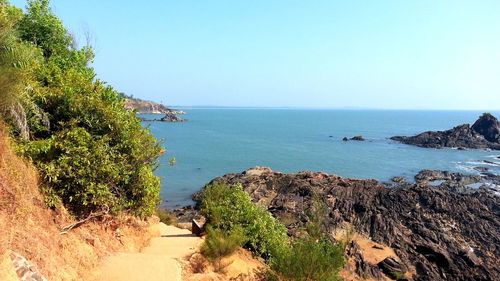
<point>233,218</point>
<point>92,153</point>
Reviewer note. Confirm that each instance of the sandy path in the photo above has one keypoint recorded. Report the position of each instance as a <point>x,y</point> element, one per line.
<point>157,262</point>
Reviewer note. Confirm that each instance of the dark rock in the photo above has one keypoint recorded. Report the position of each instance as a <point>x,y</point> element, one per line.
<point>362,268</point>
<point>484,134</point>
<point>186,214</point>
<point>488,126</point>
<point>355,138</point>
<point>358,138</point>
<point>171,117</point>
<point>450,232</point>
<point>481,169</point>
<point>398,180</point>
<point>393,268</point>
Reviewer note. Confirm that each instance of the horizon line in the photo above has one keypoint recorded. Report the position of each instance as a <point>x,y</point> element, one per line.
<point>327,108</point>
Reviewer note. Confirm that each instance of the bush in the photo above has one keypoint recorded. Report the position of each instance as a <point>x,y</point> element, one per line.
<point>309,259</point>
<point>227,208</point>
<point>219,244</point>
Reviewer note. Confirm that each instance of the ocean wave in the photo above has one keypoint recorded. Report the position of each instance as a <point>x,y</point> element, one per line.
<point>467,168</point>
<point>489,163</point>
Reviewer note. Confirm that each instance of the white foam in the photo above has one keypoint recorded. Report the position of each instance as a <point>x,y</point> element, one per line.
<point>494,164</point>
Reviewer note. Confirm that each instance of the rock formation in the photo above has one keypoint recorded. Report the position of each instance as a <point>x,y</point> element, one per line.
<point>483,134</point>
<point>355,138</point>
<point>149,107</point>
<point>488,126</point>
<point>172,117</point>
<point>445,232</point>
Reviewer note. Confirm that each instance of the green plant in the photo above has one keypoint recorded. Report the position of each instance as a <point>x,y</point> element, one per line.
<point>166,216</point>
<point>309,260</point>
<point>92,153</point>
<point>227,208</point>
<point>313,257</point>
<point>317,214</point>
<point>219,244</point>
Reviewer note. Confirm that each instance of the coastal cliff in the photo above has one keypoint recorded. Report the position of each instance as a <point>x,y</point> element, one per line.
<point>445,232</point>
<point>150,107</point>
<point>483,134</point>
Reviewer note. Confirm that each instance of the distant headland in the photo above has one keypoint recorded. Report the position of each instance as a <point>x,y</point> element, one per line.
<point>150,107</point>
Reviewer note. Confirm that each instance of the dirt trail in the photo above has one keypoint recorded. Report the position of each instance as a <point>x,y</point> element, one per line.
<point>157,262</point>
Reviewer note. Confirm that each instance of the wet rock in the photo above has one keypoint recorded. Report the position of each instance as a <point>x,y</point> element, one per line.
<point>355,138</point>
<point>481,169</point>
<point>484,134</point>
<point>358,138</point>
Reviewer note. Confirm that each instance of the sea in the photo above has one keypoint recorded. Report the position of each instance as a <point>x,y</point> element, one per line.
<point>217,141</point>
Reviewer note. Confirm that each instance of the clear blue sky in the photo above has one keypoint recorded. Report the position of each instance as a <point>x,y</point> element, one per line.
<point>371,54</point>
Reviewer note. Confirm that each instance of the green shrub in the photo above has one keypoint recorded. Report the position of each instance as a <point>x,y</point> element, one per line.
<point>308,259</point>
<point>166,216</point>
<point>314,257</point>
<point>227,208</point>
<point>219,244</point>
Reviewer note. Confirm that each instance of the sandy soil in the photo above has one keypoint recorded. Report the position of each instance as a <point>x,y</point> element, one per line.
<point>160,261</point>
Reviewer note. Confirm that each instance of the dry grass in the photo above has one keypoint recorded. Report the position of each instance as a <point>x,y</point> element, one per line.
<point>240,265</point>
<point>32,230</point>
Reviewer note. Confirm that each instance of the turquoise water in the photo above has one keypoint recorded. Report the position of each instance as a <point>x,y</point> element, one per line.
<point>218,141</point>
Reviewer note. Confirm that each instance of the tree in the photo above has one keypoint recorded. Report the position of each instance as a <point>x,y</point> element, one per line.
<point>90,150</point>
<point>18,61</point>
<point>42,28</point>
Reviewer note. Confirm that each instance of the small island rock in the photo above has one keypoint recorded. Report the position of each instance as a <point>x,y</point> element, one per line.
<point>484,134</point>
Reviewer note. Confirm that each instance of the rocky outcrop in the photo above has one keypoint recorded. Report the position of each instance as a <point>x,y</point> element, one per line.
<point>149,107</point>
<point>445,232</point>
<point>171,117</point>
<point>483,134</point>
<point>488,126</point>
<point>355,138</point>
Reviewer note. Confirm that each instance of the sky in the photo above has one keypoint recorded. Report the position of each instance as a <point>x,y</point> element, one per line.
<point>423,54</point>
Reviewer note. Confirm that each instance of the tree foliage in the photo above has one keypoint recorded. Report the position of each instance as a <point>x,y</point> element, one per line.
<point>92,153</point>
